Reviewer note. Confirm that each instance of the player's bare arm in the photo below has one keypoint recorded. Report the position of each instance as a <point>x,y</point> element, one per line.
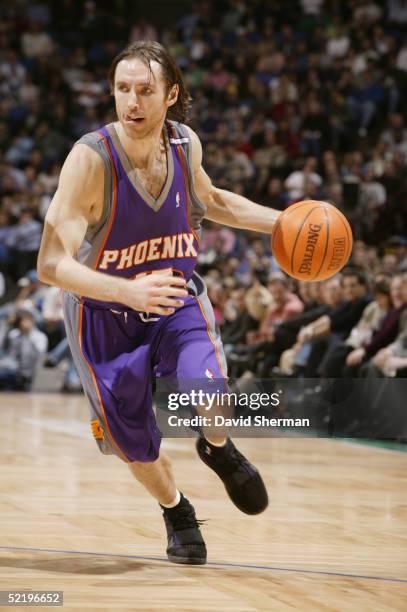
<point>77,204</point>
<point>225,207</point>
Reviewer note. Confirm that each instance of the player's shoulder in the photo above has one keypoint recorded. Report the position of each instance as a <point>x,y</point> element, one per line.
<point>181,133</point>
<point>92,139</point>
<point>184,135</point>
<point>90,149</point>
<point>84,161</point>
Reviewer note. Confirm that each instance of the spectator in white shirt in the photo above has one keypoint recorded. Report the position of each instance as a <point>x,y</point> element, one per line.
<point>338,45</point>
<point>36,43</point>
<point>295,183</point>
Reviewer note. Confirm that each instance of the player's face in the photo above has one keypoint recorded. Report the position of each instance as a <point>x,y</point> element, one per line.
<point>141,97</point>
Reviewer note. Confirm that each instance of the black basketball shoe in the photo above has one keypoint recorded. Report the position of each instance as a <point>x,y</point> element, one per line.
<point>185,542</point>
<point>242,481</point>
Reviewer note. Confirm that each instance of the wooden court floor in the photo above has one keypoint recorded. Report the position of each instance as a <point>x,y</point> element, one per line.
<point>333,538</point>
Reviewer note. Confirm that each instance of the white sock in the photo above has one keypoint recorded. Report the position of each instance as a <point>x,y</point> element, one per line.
<point>219,444</point>
<point>175,501</point>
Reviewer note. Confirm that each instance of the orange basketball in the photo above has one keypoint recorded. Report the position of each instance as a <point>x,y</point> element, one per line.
<point>311,240</point>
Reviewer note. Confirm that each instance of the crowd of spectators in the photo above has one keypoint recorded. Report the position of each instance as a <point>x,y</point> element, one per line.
<point>292,100</point>
<point>343,327</point>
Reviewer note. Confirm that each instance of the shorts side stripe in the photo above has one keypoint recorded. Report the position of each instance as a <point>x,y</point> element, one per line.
<point>121,453</point>
<point>208,331</point>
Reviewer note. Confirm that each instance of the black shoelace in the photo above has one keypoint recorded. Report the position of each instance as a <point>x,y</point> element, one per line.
<point>184,518</point>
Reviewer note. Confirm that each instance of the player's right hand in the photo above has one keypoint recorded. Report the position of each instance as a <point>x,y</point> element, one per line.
<point>158,293</point>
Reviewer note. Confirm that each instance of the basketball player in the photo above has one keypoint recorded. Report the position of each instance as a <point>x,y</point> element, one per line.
<point>121,237</point>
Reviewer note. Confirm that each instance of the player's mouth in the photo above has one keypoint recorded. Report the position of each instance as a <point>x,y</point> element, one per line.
<point>134,120</point>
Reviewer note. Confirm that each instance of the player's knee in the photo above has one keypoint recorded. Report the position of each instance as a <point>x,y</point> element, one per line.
<point>143,467</point>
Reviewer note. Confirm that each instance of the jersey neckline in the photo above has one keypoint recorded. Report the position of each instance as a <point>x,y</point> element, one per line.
<point>131,171</point>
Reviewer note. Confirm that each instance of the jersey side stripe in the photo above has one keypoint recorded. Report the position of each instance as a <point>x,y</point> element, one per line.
<point>113,212</point>
<point>182,161</point>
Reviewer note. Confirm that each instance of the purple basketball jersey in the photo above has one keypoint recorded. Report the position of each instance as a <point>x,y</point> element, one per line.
<point>141,234</point>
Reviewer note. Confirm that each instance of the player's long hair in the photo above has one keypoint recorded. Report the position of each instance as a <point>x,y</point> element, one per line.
<point>148,52</point>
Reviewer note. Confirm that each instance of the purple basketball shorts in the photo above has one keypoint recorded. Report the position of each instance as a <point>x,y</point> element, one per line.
<point>118,352</point>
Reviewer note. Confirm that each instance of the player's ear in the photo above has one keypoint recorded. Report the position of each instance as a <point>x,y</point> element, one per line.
<point>173,95</point>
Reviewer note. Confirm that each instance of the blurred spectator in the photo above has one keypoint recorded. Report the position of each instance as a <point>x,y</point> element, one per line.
<point>365,99</point>
<point>338,44</point>
<point>312,7</point>
<point>397,12</point>
<point>284,305</point>
<point>61,352</point>
<point>237,320</point>
<point>30,294</point>
<point>35,42</point>
<point>329,330</point>
<point>296,182</point>
<point>52,314</point>
<point>315,133</point>
<point>26,345</point>
<point>275,197</point>
<point>387,331</point>
<point>236,166</point>
<point>391,360</point>
<point>268,158</point>
<point>24,242</point>
<point>143,30</point>
<point>286,333</point>
<point>370,321</point>
<point>395,136</point>
<point>327,296</point>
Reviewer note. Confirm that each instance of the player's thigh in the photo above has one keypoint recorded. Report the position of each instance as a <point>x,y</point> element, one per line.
<point>190,346</point>
<point>115,369</point>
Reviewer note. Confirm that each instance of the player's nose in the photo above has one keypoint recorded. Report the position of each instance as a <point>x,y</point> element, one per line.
<point>133,101</point>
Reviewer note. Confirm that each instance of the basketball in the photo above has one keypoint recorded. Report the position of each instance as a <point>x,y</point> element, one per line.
<point>312,240</point>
